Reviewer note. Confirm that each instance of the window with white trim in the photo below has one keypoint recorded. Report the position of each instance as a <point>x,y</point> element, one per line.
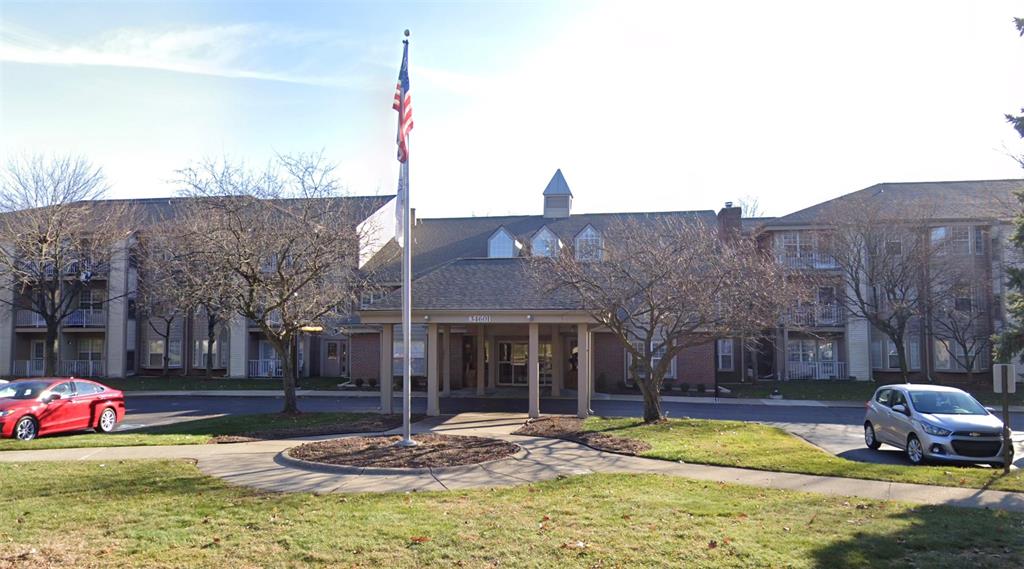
<point>960,240</point>
<point>980,236</point>
<point>501,244</point>
<point>90,349</point>
<point>589,245</point>
<point>545,244</point>
<point>89,299</point>
<point>942,357</point>
<point>725,355</point>
<point>655,360</point>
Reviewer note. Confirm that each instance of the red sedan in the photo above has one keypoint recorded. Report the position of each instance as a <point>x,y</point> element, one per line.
<point>33,407</point>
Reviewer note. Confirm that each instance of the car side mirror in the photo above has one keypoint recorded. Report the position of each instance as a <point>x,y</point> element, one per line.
<point>991,410</point>
<point>52,397</point>
<point>900,408</point>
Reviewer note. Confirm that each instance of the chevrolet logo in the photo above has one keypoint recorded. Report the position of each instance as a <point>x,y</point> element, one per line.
<point>974,434</point>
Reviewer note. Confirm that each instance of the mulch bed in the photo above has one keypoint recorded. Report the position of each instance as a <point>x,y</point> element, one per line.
<point>368,425</point>
<point>380,451</point>
<point>571,429</point>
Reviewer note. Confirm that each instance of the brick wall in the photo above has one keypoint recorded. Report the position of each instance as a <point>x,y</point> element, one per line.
<point>609,362</point>
<point>364,356</point>
<point>697,365</point>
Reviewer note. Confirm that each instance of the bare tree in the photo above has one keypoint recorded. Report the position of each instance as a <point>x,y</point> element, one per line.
<point>882,256</point>
<point>662,284</point>
<point>164,295</point>
<point>285,242</point>
<point>56,237</point>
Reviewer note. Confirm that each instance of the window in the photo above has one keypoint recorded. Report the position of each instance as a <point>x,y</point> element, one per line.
<point>85,388</point>
<point>589,245</point>
<point>417,349</point>
<point>939,235</point>
<point>545,244</point>
<point>64,389</point>
<point>368,298</point>
<point>725,358</point>
<point>964,301</point>
<point>960,240</point>
<point>980,236</point>
<point>332,350</point>
<point>200,351</point>
<point>502,244</point>
<point>90,349</point>
<point>883,396</point>
<point>942,359</point>
<point>913,354</point>
<point>655,360</point>
<point>156,353</point>
<point>89,299</point>
<point>894,248</point>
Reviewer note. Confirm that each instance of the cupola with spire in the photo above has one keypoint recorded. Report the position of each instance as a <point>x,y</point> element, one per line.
<point>557,197</point>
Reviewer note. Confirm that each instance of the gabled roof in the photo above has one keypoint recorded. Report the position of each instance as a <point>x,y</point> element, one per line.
<point>557,186</point>
<point>440,241</point>
<point>964,200</point>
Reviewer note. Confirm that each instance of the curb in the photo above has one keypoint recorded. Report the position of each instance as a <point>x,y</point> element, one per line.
<point>285,458</point>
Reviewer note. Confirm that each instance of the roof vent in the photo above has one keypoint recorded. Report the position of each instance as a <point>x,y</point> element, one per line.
<point>557,197</point>
<point>728,204</point>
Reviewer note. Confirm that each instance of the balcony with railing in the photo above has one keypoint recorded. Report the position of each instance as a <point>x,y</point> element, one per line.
<point>85,318</point>
<point>81,368</point>
<point>816,370</point>
<point>831,315</point>
<point>811,260</point>
<point>29,368</point>
<point>266,368</point>
<point>28,319</point>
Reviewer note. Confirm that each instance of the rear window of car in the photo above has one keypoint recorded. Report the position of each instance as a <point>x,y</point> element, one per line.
<point>883,396</point>
<point>85,388</point>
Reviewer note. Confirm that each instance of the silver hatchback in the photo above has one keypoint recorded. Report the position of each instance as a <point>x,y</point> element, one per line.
<point>933,422</point>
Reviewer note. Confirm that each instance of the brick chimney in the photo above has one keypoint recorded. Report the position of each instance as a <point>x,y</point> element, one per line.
<point>730,220</point>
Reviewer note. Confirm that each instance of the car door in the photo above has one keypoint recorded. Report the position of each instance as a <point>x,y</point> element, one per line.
<point>58,413</point>
<point>881,415</point>
<point>899,422</point>
<point>85,405</point>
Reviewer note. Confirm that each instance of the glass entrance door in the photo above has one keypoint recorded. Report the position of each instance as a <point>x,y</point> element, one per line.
<point>513,359</point>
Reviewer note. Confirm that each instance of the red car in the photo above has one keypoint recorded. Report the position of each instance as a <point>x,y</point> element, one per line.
<point>33,407</point>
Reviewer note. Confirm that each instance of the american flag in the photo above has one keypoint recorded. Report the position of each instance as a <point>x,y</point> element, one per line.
<point>403,104</point>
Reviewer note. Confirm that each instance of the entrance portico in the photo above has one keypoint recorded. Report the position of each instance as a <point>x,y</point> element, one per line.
<point>490,350</point>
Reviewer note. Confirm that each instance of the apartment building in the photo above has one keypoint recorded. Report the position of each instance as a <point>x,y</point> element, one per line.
<point>104,335</point>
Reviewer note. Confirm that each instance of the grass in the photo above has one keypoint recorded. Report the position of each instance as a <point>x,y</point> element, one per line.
<point>849,390</point>
<point>176,383</point>
<point>166,514</point>
<point>761,447</point>
<point>196,432</point>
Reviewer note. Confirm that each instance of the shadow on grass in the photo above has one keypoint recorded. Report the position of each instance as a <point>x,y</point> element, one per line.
<point>930,537</point>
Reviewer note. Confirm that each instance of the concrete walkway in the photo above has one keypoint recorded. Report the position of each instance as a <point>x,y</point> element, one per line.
<point>259,465</point>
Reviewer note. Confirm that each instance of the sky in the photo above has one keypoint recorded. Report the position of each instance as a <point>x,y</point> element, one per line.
<point>644,106</point>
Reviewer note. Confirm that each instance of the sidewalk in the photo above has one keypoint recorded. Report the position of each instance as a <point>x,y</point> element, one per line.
<point>262,465</point>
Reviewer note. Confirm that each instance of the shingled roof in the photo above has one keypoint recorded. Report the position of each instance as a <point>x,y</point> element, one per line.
<point>480,284</point>
<point>440,241</point>
<point>961,201</point>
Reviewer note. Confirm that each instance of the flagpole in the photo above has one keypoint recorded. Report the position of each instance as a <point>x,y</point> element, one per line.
<point>406,305</point>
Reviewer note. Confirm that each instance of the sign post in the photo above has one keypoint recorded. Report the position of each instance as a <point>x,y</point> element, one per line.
<point>1005,382</point>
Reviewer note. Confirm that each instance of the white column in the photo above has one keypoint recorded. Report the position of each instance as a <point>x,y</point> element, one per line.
<point>480,378</point>
<point>583,371</point>
<point>386,375</point>
<point>433,405</point>
<point>117,312</point>
<point>492,362</point>
<point>533,371</point>
<point>446,361</point>
<point>557,362</point>
<point>238,362</point>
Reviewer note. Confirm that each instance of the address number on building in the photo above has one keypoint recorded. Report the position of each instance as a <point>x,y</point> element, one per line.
<point>480,318</point>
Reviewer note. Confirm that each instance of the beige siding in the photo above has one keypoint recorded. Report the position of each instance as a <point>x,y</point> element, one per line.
<point>117,313</point>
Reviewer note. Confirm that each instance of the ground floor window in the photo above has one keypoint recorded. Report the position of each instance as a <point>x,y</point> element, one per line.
<point>725,356</point>
<point>656,357</point>
<point>513,362</point>
<point>885,356</point>
<point>156,353</point>
<point>417,350</point>
<point>90,349</point>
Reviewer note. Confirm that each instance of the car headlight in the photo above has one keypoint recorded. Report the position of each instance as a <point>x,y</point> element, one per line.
<point>5,412</point>
<point>935,430</point>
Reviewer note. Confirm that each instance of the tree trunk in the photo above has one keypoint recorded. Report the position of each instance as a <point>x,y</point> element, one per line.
<point>901,353</point>
<point>50,349</point>
<point>284,349</point>
<point>652,400</point>
<point>167,347</point>
<point>211,336</point>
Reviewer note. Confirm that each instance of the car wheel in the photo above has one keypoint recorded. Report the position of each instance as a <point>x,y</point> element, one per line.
<point>996,464</point>
<point>26,429</point>
<point>915,452</point>
<point>107,422</point>
<point>869,437</point>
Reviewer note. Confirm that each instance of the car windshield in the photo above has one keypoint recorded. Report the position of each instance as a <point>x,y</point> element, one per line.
<point>946,403</point>
<point>23,389</point>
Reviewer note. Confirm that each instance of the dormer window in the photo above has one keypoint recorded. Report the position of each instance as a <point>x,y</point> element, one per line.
<point>502,244</point>
<point>589,245</point>
<point>545,243</point>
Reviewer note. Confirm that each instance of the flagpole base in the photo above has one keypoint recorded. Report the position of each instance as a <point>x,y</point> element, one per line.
<point>406,442</point>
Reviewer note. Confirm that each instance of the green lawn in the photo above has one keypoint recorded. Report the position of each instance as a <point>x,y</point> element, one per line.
<point>166,514</point>
<point>175,383</point>
<point>199,431</point>
<point>831,390</point>
<point>750,445</point>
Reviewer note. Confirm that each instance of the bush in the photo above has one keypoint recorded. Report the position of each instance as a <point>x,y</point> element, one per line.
<point>684,387</point>
<point>372,382</point>
<point>666,386</point>
<point>359,382</point>
<point>701,388</point>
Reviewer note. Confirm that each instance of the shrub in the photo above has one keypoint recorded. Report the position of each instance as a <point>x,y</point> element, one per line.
<point>372,382</point>
<point>684,387</point>
<point>701,388</point>
<point>359,382</point>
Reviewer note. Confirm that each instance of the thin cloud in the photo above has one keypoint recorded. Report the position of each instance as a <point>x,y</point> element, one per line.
<point>215,51</point>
